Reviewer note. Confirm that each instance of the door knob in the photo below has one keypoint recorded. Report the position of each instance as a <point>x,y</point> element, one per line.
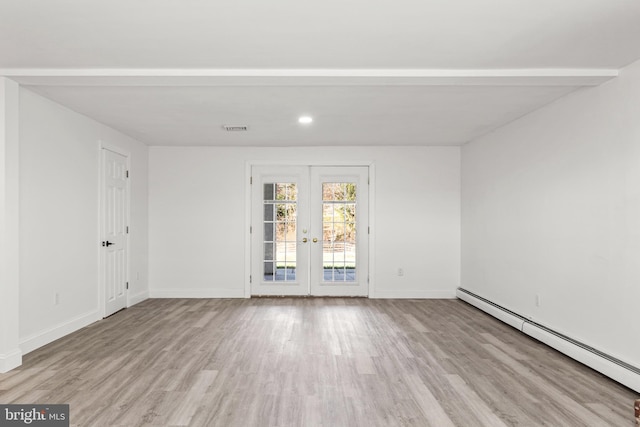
<point>315,240</point>
<point>304,240</point>
<point>107,243</point>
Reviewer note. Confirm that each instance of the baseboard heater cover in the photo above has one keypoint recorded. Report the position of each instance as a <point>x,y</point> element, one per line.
<point>613,368</point>
<point>500,313</point>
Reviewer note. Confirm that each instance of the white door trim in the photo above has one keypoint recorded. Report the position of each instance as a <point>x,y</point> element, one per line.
<point>101,285</point>
<point>248,214</point>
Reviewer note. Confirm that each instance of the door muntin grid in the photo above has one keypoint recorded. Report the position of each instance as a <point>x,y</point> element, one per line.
<point>339,225</point>
<point>280,209</point>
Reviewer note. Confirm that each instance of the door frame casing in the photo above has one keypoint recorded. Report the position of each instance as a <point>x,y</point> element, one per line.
<point>101,263</point>
<point>248,214</point>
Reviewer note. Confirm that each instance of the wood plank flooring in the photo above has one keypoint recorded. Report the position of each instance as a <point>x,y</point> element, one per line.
<point>312,362</point>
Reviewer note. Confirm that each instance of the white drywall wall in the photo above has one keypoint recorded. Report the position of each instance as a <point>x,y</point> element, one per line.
<point>197,212</point>
<point>551,215</point>
<point>10,353</point>
<point>59,201</point>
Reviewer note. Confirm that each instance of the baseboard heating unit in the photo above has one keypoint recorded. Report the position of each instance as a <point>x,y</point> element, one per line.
<point>608,365</point>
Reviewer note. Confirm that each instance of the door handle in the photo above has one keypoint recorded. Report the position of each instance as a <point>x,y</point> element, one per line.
<point>315,240</point>
<point>107,243</point>
<point>304,240</point>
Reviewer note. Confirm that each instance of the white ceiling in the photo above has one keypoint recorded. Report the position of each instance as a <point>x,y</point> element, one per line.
<point>343,115</point>
<point>375,72</point>
<point>319,34</point>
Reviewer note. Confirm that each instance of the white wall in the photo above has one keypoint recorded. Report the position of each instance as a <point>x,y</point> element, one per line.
<point>10,353</point>
<point>59,200</point>
<point>197,212</point>
<point>551,207</point>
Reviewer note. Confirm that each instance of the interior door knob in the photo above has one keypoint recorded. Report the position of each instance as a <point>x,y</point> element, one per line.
<point>315,240</point>
<point>304,240</point>
<point>107,243</point>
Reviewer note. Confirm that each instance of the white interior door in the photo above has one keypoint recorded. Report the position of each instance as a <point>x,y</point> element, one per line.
<point>114,231</point>
<point>309,230</point>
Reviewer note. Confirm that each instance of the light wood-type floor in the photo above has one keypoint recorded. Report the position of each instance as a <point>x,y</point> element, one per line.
<point>312,362</point>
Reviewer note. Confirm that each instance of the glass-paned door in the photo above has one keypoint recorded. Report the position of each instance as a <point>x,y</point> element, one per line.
<point>309,230</point>
<point>339,215</point>
<point>279,257</point>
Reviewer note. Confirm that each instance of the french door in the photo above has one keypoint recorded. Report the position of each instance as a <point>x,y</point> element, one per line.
<point>309,231</point>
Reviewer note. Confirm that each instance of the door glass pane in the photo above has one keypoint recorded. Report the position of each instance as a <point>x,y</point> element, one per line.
<point>268,191</point>
<point>279,225</point>
<point>339,231</point>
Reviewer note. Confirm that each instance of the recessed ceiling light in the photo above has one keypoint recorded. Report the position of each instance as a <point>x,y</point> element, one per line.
<point>305,120</point>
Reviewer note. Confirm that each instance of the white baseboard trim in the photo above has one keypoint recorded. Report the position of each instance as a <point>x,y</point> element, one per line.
<point>138,298</point>
<point>58,331</point>
<point>10,360</point>
<point>597,360</point>
<point>415,294</point>
<point>196,293</point>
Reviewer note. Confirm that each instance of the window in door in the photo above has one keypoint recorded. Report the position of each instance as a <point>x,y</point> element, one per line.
<point>280,230</point>
<point>339,231</point>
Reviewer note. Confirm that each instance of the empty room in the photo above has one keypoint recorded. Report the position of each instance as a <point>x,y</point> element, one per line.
<point>292,213</point>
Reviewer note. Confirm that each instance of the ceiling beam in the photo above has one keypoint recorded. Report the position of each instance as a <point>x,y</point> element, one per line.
<point>310,77</point>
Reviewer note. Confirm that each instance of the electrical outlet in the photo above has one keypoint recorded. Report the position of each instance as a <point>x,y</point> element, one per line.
<point>400,272</point>
<point>57,299</point>
<point>538,300</point>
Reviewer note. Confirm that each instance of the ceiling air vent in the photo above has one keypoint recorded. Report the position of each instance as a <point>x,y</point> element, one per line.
<point>236,128</point>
